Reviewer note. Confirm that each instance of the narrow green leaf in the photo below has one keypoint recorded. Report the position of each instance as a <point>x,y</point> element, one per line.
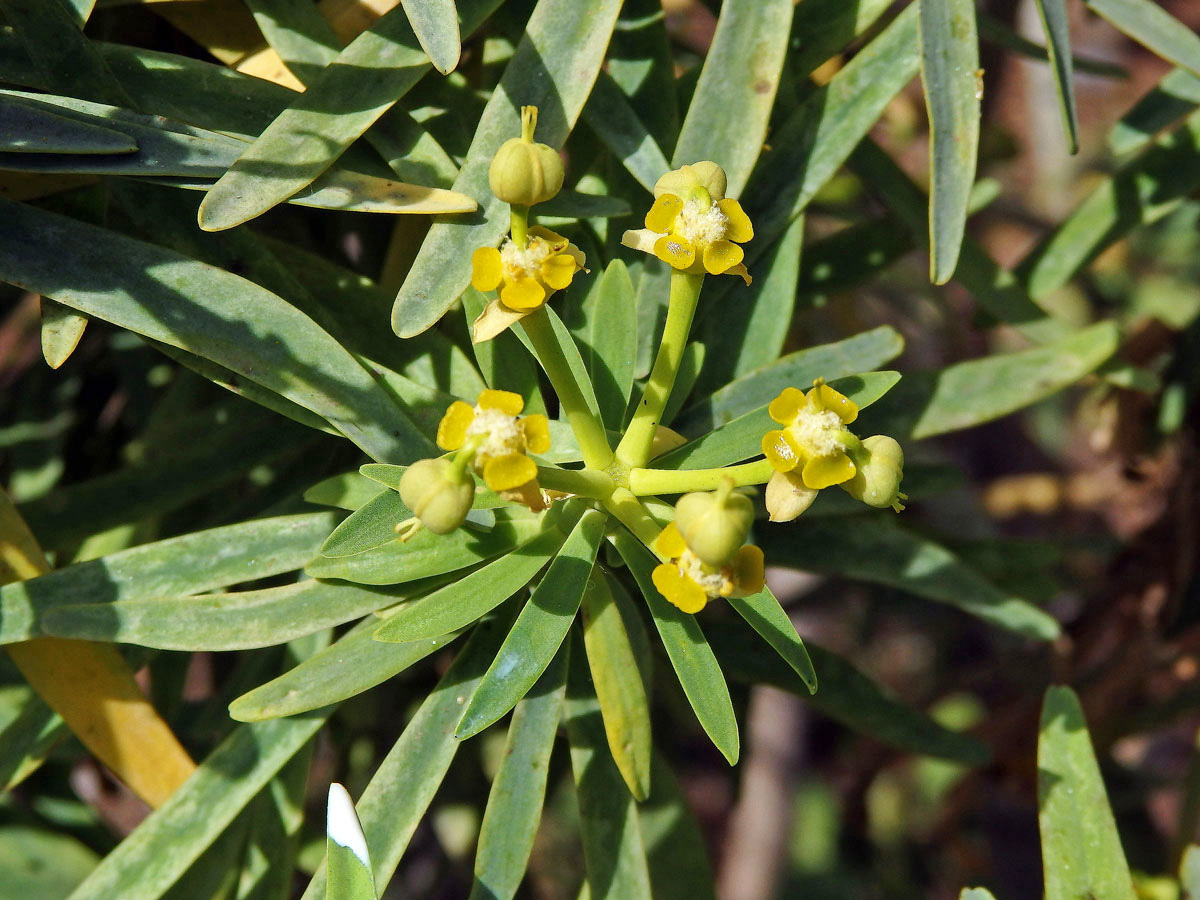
<point>614,857</point>
<point>539,630</point>
<point>514,805</point>
<point>402,787</point>
<point>160,850</point>
<point>350,94</point>
<point>1141,192</point>
<point>929,403</point>
<point>823,28</point>
<point>462,602</point>
<point>204,310</point>
<point>692,658</point>
<point>553,68</point>
<point>876,549</point>
<point>691,365</point>
<point>757,388</point>
<point>741,438</point>
<point>299,33</point>
<point>642,65</point>
<point>1176,94</point>
<point>25,128</point>
<point>619,688</point>
<point>349,490</point>
<point>1081,849</point>
<point>768,618</point>
<point>192,564</point>
<point>234,621</point>
<point>505,366</point>
<point>976,894</point>
<point>347,862</point>
<point>953,91</point>
<point>726,121</point>
<point>846,696</point>
<point>1055,24</point>
<point>352,664</point>
<point>40,863</point>
<point>369,527</point>
<point>609,114</point>
<point>429,554</point>
<point>1189,872</point>
<point>274,826</point>
<point>1156,30</point>
<point>62,329</point>
<point>435,23</point>
<point>28,730</point>
<point>608,341</point>
<point>676,850</point>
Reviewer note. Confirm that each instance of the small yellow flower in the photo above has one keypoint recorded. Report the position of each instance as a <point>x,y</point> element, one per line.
<point>500,443</point>
<point>526,277</point>
<point>692,226</point>
<point>814,438</point>
<point>689,584</point>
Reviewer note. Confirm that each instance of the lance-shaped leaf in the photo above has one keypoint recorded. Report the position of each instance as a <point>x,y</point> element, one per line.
<point>25,128</point>
<point>607,336</point>
<point>727,119</point>
<point>207,311</point>
<point>347,862</point>
<point>62,329</point>
<point>953,91</point>
<point>1154,28</point>
<point>349,490</point>
<point>435,23</point>
<point>609,114</point>
<point>1053,14</point>
<point>1081,849</point>
<point>553,69</point>
<point>1176,94</point>
<point>402,787</point>
<point>514,805</point>
<point>539,630</point>
<point>675,847</point>
<point>692,658</point>
<point>767,617</point>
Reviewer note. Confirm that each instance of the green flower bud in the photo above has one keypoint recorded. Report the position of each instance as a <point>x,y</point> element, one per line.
<point>714,525</point>
<point>695,181</point>
<point>438,492</point>
<point>880,465</point>
<point>523,172</point>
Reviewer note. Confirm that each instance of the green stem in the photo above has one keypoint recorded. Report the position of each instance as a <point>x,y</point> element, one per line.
<point>583,482</point>
<point>593,443</point>
<point>630,513</point>
<point>634,449</point>
<point>519,225</point>
<point>643,482</point>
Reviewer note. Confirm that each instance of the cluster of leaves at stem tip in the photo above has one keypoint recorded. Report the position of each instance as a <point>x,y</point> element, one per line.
<point>694,228</point>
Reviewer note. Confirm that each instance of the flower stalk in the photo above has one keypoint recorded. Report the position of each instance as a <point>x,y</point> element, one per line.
<point>648,482</point>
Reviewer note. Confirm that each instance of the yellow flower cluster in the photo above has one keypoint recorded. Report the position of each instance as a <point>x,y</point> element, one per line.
<point>500,443</point>
<point>689,583</point>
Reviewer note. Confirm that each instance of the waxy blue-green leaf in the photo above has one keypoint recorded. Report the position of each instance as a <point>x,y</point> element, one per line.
<point>352,664</point>
<point>727,119</point>
<point>1155,29</point>
<point>757,388</point>
<point>403,785</point>
<point>1053,14</point>
<point>1081,848</point>
<point>347,861</point>
<point>996,32</point>
<point>609,114</point>
<point>28,730</point>
<point>207,311</point>
<point>676,850</point>
<point>874,548</point>
<point>1141,192</point>
<point>514,804</point>
<point>60,51</point>
<point>1176,94</point>
<point>691,657</point>
<point>846,695</point>
<point>192,564</point>
<point>618,685</point>
<point>553,331</point>
<point>350,94</point>
<point>429,554</point>
<point>539,630</point>
<point>62,329</point>
<point>160,850</point>
<point>38,862</point>
<point>823,28</point>
<point>608,340</point>
<point>504,365</point>
<point>462,602</point>
<point>298,32</point>
<point>349,490</point>
<point>979,390</point>
<point>741,438</point>
<point>553,68</point>
<point>25,128</point>
<point>953,92</point>
<point>435,23</point>
<point>642,65</point>
<point>767,617</point>
<point>231,621</point>
<point>614,857</point>
<point>273,830</point>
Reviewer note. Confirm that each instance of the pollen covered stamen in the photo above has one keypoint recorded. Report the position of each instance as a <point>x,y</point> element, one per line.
<point>712,581</point>
<point>817,431</point>
<point>527,262</point>
<point>502,433</point>
<point>701,226</point>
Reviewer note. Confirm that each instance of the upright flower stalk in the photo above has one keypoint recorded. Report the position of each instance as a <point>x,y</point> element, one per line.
<point>701,542</point>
